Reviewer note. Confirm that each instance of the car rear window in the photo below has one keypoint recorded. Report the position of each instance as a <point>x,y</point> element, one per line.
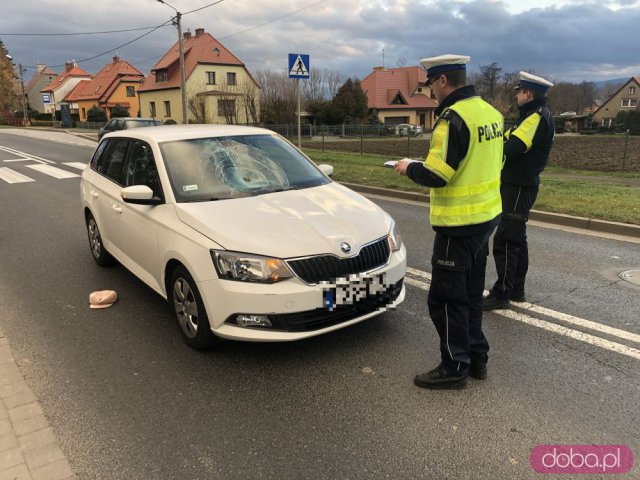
<point>141,123</point>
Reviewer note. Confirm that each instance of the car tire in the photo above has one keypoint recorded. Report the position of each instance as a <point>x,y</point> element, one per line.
<point>190,311</point>
<point>98,252</point>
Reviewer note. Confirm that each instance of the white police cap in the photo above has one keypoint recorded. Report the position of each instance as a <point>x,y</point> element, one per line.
<point>444,63</point>
<point>533,82</point>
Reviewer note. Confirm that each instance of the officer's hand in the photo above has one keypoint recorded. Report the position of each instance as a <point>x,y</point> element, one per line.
<point>401,166</point>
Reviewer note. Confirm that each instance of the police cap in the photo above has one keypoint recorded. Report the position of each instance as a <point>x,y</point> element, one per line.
<point>533,82</point>
<point>444,63</point>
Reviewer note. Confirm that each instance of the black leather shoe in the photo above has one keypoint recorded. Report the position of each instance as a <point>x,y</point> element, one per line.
<point>517,297</point>
<point>478,368</point>
<point>440,378</point>
<point>492,302</point>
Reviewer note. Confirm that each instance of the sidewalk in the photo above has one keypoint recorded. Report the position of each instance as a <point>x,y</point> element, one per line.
<point>28,446</point>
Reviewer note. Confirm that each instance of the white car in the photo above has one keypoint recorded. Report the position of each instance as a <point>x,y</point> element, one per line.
<point>242,233</point>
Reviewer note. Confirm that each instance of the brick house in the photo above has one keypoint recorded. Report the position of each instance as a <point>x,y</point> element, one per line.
<point>400,95</point>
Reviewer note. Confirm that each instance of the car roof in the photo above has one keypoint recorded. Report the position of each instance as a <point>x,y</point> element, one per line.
<point>167,133</point>
<point>137,118</point>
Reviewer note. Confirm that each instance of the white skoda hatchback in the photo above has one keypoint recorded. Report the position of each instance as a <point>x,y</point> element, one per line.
<point>244,235</point>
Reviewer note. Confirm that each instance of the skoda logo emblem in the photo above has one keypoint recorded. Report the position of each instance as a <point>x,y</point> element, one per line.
<point>345,247</point>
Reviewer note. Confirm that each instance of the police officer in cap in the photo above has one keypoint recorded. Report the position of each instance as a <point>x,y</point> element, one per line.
<point>463,170</point>
<point>527,147</point>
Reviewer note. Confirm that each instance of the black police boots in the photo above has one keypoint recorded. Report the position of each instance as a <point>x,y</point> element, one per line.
<point>440,378</point>
<point>493,302</point>
<point>478,367</point>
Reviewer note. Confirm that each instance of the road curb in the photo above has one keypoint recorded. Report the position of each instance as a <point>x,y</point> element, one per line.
<point>547,217</point>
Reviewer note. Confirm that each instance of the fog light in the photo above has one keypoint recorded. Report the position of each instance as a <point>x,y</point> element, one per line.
<point>253,321</point>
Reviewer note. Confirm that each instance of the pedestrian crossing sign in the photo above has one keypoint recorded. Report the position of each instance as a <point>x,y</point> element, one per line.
<point>298,65</point>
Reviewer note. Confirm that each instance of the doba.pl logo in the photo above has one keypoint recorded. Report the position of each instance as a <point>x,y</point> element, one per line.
<point>599,459</point>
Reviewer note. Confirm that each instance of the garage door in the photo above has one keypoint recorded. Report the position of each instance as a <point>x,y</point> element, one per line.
<point>393,121</point>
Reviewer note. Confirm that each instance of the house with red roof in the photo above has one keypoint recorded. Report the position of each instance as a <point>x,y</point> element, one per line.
<point>54,93</point>
<point>219,88</point>
<point>43,76</point>
<point>626,98</point>
<point>116,84</point>
<point>400,95</point>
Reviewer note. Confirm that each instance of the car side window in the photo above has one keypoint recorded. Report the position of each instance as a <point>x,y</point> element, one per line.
<point>97,155</point>
<point>111,161</point>
<point>140,168</point>
<point>110,127</point>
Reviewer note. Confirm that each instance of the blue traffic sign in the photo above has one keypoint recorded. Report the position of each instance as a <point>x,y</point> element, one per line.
<point>298,65</point>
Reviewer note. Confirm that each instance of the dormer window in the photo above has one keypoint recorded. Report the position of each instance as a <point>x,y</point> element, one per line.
<point>398,100</point>
<point>162,76</point>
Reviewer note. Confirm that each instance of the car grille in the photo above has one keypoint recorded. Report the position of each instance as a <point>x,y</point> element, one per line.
<point>322,318</point>
<point>326,268</point>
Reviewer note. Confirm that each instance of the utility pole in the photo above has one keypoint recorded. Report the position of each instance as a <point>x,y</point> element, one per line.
<point>24,103</point>
<point>183,82</point>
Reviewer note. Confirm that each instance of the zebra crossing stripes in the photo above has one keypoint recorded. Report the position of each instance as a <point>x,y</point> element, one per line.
<point>78,165</point>
<point>52,171</point>
<point>11,176</point>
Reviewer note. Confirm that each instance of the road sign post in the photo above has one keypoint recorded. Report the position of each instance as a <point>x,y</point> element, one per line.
<point>299,68</point>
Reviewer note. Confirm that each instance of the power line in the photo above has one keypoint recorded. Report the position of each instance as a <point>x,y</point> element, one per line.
<point>73,34</point>
<point>272,21</point>
<point>202,8</point>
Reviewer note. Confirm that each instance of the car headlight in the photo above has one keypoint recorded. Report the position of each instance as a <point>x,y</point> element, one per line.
<point>395,241</point>
<point>249,268</point>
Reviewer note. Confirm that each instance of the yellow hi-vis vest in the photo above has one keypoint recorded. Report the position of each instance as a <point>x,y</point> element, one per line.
<point>472,194</point>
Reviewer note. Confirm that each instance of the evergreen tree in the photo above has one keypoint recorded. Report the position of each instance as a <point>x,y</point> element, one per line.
<point>119,111</point>
<point>96,114</point>
<point>350,103</point>
<point>9,96</point>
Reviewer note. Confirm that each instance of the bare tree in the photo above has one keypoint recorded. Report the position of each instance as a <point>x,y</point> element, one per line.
<point>402,62</point>
<point>197,105</point>
<point>278,100</point>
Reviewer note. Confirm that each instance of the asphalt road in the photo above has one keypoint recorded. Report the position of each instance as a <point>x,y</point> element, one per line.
<point>129,400</point>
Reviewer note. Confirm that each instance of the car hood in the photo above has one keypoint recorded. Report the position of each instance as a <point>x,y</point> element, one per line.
<point>290,224</point>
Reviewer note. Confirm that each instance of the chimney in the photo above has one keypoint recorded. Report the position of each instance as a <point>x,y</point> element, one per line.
<point>40,67</point>
<point>116,58</point>
<point>378,69</point>
<point>199,32</point>
<point>68,66</point>
<point>186,35</point>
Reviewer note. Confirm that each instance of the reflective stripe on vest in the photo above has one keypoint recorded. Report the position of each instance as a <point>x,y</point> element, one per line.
<point>472,195</point>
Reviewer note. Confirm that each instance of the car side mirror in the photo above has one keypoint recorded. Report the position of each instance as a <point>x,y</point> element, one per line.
<point>326,169</point>
<point>139,195</point>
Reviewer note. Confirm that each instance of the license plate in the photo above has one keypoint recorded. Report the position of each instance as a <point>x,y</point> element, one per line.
<point>350,290</point>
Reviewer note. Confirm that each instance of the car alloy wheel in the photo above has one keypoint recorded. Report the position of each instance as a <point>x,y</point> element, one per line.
<point>190,311</point>
<point>100,255</point>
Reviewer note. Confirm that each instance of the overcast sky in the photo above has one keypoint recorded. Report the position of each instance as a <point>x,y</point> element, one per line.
<point>570,40</point>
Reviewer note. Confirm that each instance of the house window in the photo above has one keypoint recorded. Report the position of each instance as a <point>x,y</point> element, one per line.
<point>632,90</point>
<point>226,108</point>
<point>211,78</point>
<point>231,78</point>
<point>629,102</point>
<point>167,108</point>
<point>131,92</point>
<point>162,76</point>
<point>84,112</point>
<point>419,90</point>
<point>152,108</point>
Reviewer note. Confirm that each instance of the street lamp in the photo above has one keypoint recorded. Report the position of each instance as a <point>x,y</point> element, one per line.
<point>22,102</point>
<point>185,118</point>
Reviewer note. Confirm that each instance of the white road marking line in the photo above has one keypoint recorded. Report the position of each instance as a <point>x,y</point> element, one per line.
<point>78,165</point>
<point>27,155</point>
<point>17,160</point>
<point>576,335</point>
<point>581,322</point>
<point>11,176</point>
<point>53,171</point>
<point>552,327</point>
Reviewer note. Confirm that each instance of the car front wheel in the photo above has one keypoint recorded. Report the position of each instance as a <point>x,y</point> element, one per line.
<point>99,253</point>
<point>190,311</point>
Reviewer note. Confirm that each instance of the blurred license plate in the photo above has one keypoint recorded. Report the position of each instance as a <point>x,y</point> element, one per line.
<point>347,291</point>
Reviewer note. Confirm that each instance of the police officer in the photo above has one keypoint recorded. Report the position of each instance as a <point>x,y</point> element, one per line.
<point>463,170</point>
<point>527,146</point>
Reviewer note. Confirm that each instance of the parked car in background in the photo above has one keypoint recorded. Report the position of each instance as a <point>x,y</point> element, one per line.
<point>242,233</point>
<point>125,123</point>
<point>405,129</point>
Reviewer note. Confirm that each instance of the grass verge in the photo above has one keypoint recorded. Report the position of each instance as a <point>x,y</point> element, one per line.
<point>570,193</point>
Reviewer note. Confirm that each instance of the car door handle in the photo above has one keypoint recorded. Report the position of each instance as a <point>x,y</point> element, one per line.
<point>94,194</point>
<point>116,208</point>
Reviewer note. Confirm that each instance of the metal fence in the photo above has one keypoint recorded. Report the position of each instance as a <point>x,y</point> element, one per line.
<point>356,131</point>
